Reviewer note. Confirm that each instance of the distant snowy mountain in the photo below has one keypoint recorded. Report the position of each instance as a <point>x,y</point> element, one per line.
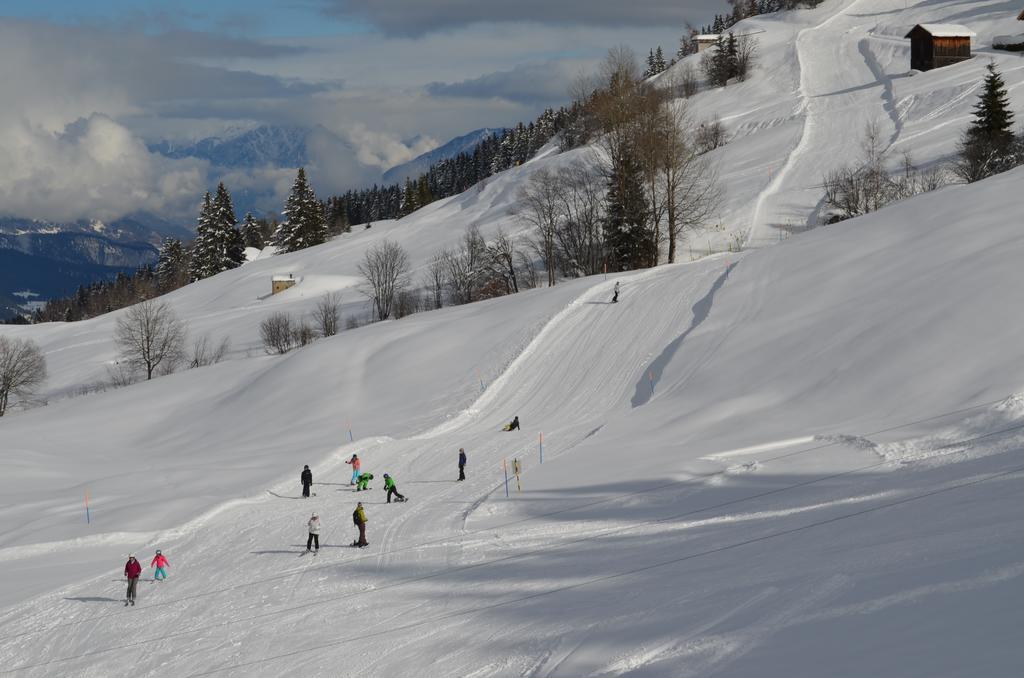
<point>422,163</point>
<point>265,145</point>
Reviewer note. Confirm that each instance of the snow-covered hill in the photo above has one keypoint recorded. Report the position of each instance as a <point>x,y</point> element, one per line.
<point>796,460</point>
<point>420,164</point>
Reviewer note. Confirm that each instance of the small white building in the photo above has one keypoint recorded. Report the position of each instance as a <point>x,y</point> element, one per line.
<point>702,42</point>
<point>282,282</point>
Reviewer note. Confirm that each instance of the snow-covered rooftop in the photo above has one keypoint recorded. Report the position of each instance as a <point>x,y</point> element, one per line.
<point>284,278</point>
<point>705,37</point>
<point>946,30</point>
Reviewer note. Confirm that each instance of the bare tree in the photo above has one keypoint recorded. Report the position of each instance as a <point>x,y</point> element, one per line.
<point>434,279</point>
<point>22,369</point>
<point>501,263</point>
<point>303,333</point>
<point>746,51</point>
<point>277,333</point>
<point>386,269</point>
<point>151,337</point>
<point>464,266</point>
<point>327,314</point>
<point>581,193</point>
<point>540,207</point>
<point>709,135</point>
<point>204,352</point>
<point>688,182</point>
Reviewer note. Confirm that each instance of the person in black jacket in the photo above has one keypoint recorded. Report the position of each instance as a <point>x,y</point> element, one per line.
<point>307,480</point>
<point>462,463</point>
<point>513,425</point>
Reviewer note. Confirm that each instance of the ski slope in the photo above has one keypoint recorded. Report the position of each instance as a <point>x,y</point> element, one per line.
<point>802,459</point>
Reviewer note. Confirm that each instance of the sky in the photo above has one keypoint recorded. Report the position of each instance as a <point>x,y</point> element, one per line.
<point>88,85</point>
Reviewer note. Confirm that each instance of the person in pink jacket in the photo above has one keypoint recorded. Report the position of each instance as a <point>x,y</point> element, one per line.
<point>159,564</point>
<point>356,464</point>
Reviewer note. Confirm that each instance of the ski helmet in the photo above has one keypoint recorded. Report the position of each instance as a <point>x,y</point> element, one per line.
<point>131,555</point>
<point>158,551</point>
<point>386,475</point>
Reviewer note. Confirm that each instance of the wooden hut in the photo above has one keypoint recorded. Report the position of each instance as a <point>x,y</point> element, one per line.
<point>282,282</point>
<point>702,42</point>
<point>938,45</point>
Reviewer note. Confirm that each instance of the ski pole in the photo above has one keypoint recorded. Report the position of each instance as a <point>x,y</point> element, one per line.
<point>504,466</point>
<point>542,447</point>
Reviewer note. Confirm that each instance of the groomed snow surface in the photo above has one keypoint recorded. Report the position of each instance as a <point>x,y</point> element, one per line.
<point>801,460</point>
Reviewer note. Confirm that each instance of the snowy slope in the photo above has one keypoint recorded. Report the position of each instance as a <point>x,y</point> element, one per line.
<point>798,460</point>
<point>821,76</point>
<point>768,506</point>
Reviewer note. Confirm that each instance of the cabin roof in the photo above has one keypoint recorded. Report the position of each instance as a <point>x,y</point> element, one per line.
<point>945,31</point>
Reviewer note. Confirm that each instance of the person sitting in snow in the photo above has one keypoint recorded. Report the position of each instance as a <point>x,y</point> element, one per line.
<point>392,489</point>
<point>513,425</point>
<point>364,482</point>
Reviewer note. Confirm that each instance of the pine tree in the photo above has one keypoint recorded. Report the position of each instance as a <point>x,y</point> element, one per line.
<point>231,253</point>
<point>172,269</point>
<point>627,236</point>
<point>305,223</point>
<point>988,146</point>
<point>205,246</point>
<point>252,234</point>
<point>659,60</point>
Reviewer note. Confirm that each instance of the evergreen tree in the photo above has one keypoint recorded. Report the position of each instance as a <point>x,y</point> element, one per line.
<point>988,146</point>
<point>252,234</point>
<point>206,244</point>
<point>305,223</point>
<point>172,269</point>
<point>231,252</point>
<point>628,238</point>
<point>649,71</point>
<point>659,60</point>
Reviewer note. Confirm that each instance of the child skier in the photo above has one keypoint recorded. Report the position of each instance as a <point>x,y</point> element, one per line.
<point>132,572</point>
<point>307,481</point>
<point>364,482</point>
<point>391,489</point>
<point>314,533</point>
<point>355,468</point>
<point>160,566</point>
<point>462,463</point>
<point>360,519</point>
<point>615,297</point>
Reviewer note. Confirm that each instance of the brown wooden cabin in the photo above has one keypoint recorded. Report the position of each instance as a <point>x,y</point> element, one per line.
<point>938,45</point>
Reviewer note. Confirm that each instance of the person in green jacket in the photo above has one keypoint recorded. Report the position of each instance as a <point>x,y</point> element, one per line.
<point>364,481</point>
<point>359,518</point>
<point>391,489</point>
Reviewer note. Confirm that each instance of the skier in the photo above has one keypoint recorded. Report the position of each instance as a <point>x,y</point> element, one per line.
<point>391,489</point>
<point>307,480</point>
<point>314,533</point>
<point>359,518</point>
<point>355,468</point>
<point>159,564</point>
<point>615,297</point>
<point>132,572</point>
<point>462,463</point>
<point>364,482</point>
<point>513,425</point>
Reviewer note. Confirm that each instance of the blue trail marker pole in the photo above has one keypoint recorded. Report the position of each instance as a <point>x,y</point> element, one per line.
<point>542,447</point>
<point>504,465</point>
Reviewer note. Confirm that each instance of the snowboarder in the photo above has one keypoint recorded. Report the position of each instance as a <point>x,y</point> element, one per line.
<point>462,463</point>
<point>513,425</point>
<point>359,518</point>
<point>615,296</point>
<point>355,468</point>
<point>132,572</point>
<point>391,489</point>
<point>160,566</point>
<point>314,533</point>
<point>364,482</point>
<point>307,480</point>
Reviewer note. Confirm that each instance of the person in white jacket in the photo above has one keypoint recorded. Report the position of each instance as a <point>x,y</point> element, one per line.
<point>314,533</point>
